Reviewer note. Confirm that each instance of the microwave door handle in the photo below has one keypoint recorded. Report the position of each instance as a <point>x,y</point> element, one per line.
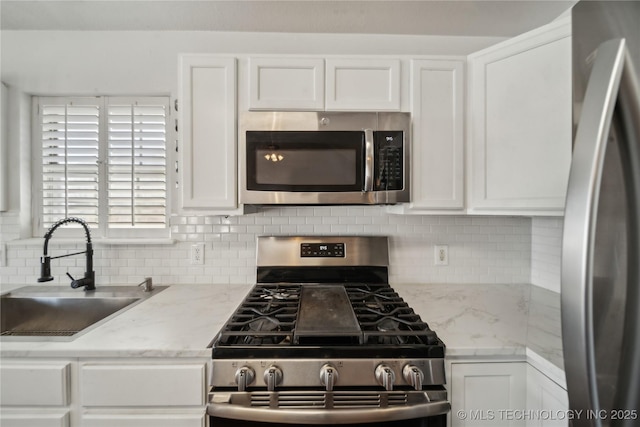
<point>369,154</point>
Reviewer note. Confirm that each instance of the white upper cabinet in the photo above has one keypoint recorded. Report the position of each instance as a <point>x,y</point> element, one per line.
<point>319,84</point>
<point>437,105</point>
<point>362,84</point>
<point>286,83</point>
<point>207,125</point>
<point>520,123</point>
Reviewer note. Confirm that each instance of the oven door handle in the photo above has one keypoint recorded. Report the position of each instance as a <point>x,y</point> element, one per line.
<point>222,406</point>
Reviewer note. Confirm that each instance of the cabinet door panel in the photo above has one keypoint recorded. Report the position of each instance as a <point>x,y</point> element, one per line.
<point>547,397</point>
<point>483,393</point>
<point>4,166</point>
<point>35,384</point>
<point>208,132</point>
<point>520,136</point>
<point>286,84</point>
<point>142,385</point>
<point>363,84</point>
<point>438,140</point>
<point>145,420</point>
<point>34,419</point>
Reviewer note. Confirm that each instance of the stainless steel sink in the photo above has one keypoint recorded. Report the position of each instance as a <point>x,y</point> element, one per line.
<point>52,313</point>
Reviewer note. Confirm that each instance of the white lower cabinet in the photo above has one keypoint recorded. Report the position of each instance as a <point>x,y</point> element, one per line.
<point>143,393</point>
<point>546,400</point>
<point>485,393</point>
<point>505,394</point>
<point>12,417</point>
<point>144,420</point>
<point>35,393</point>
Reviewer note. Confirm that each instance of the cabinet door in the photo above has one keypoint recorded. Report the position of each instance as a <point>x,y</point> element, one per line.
<point>33,384</point>
<point>286,84</point>
<point>4,124</point>
<point>131,385</point>
<point>437,90</point>
<point>208,132</point>
<point>546,398</point>
<point>144,420</point>
<point>520,137</point>
<point>363,84</point>
<point>487,394</point>
<point>34,417</point>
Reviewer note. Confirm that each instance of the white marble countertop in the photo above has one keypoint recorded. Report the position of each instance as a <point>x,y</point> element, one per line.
<point>181,321</point>
<point>474,320</point>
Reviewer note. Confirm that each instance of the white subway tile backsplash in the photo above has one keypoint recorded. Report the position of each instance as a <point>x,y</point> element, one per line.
<point>481,249</point>
<point>546,252</point>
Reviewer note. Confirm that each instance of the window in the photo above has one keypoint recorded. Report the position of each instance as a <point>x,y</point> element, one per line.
<point>104,159</point>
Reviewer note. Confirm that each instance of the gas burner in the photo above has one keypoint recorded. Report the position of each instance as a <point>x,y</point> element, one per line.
<point>277,294</point>
<point>387,325</point>
<point>264,324</point>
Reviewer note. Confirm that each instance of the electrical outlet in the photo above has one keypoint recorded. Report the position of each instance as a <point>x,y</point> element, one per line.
<point>197,254</point>
<point>441,254</point>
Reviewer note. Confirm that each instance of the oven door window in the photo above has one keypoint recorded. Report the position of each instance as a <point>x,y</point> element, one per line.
<point>305,161</point>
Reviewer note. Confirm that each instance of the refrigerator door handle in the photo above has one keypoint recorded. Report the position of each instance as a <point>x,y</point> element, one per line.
<point>628,395</point>
<point>579,227</point>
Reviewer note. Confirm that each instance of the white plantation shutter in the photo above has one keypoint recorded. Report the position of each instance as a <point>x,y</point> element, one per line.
<point>137,162</point>
<point>70,175</point>
<point>126,135</point>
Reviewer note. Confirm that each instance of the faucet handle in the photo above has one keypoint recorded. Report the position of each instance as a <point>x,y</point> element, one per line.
<point>75,283</point>
<point>87,282</point>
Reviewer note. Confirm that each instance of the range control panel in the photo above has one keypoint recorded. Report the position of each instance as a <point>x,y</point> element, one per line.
<point>322,250</point>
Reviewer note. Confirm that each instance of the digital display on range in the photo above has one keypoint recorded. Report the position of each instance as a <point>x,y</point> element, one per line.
<point>322,250</point>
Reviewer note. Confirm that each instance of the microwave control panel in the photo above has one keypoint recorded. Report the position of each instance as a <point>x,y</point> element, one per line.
<point>388,160</point>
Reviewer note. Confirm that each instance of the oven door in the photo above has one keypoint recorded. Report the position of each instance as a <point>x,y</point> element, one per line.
<point>358,407</point>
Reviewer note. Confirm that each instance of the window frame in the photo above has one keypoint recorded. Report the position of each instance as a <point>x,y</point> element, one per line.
<point>102,231</point>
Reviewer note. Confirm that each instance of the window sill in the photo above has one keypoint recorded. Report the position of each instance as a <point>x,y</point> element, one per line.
<point>97,242</point>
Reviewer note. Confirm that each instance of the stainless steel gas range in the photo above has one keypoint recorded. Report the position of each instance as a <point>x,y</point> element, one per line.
<point>322,338</point>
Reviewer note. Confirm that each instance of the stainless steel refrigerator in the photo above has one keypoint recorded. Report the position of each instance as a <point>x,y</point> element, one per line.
<point>601,237</point>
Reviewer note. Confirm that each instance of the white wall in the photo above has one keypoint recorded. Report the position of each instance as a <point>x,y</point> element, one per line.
<point>482,249</point>
<point>145,62</point>
<point>546,252</point>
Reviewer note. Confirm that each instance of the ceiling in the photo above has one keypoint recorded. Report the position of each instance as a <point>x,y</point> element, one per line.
<point>490,18</point>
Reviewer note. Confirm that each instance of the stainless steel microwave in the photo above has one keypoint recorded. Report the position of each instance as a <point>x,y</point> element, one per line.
<point>306,158</point>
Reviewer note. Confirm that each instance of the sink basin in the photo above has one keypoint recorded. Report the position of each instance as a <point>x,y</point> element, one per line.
<point>59,313</point>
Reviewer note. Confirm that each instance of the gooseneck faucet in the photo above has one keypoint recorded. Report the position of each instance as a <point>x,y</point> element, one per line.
<point>88,281</point>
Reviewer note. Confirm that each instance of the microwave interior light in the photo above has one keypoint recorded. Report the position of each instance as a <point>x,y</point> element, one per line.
<point>274,157</point>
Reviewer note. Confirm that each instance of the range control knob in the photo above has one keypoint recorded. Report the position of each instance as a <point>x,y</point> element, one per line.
<point>413,375</point>
<point>328,376</point>
<point>244,377</point>
<point>272,377</point>
<point>385,376</point>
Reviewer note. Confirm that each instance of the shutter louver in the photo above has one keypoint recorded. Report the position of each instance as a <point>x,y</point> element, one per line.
<point>136,175</point>
<point>70,149</point>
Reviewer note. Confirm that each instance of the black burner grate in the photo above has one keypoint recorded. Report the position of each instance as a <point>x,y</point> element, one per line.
<point>268,315</point>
